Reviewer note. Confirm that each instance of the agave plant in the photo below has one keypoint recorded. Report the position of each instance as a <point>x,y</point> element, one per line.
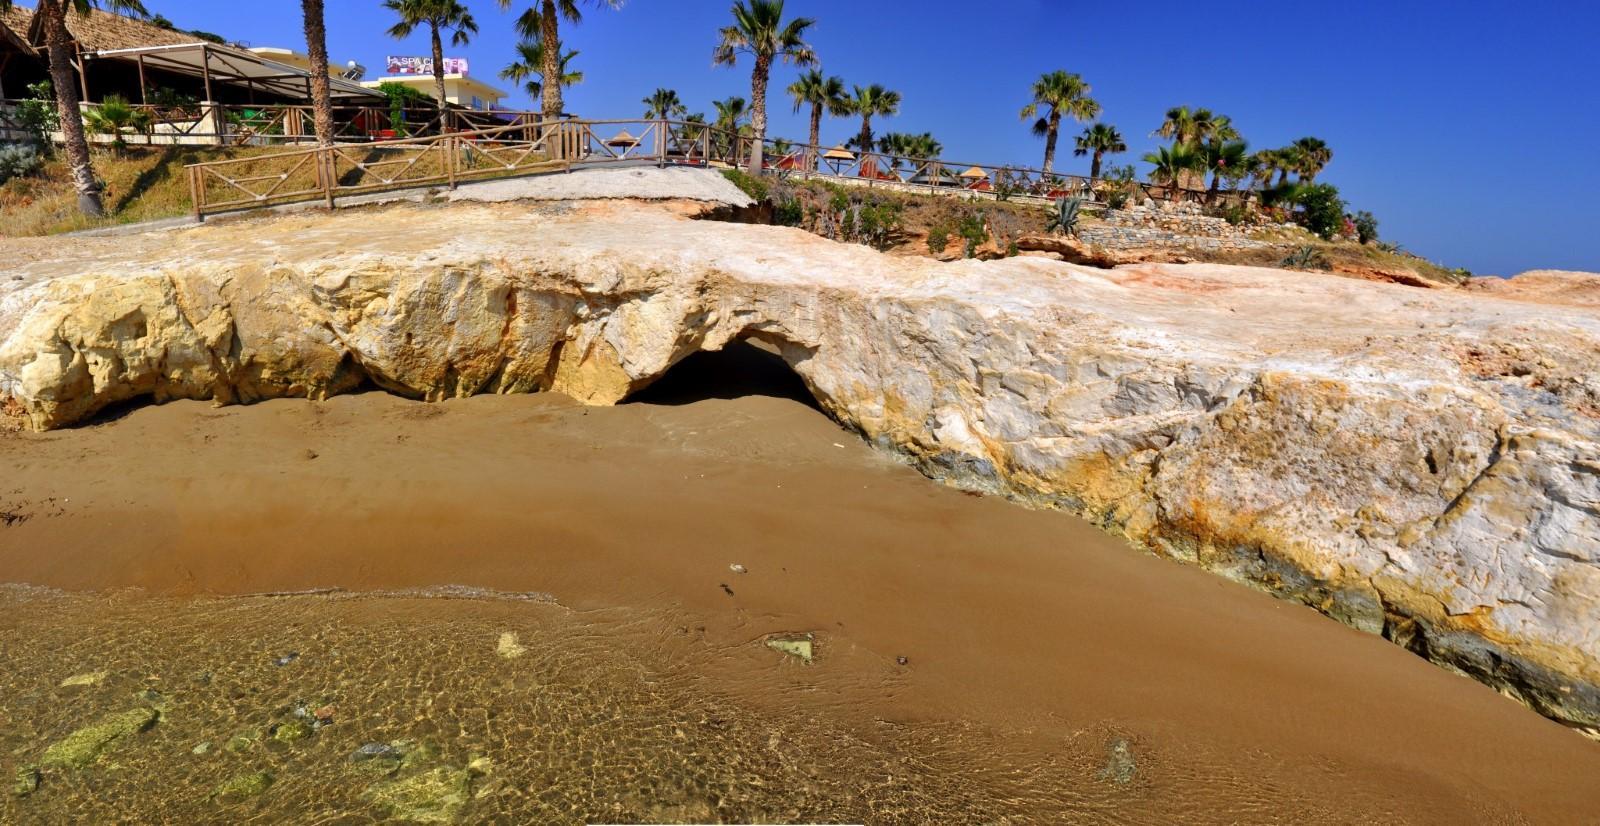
<point>1063,217</point>
<point>1305,257</point>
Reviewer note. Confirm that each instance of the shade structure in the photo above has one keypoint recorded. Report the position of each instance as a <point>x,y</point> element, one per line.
<point>237,67</point>
<point>839,153</point>
<point>975,174</point>
<point>622,139</point>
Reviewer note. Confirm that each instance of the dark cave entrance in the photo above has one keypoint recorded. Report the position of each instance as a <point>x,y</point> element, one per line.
<point>745,367</point>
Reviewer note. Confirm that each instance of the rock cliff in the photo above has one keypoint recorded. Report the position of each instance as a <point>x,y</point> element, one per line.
<point>1423,464</point>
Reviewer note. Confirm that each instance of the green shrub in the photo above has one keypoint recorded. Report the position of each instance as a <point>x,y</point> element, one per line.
<point>38,112</point>
<point>1321,209</point>
<point>1235,214</point>
<point>972,232</point>
<point>747,183</point>
<point>788,212</point>
<point>18,160</point>
<point>938,238</point>
<point>1366,227</point>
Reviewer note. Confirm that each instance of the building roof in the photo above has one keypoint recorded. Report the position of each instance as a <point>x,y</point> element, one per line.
<point>14,27</point>
<point>98,30</point>
<point>425,82</point>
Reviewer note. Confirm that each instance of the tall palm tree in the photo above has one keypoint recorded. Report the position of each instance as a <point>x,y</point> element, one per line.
<point>317,53</point>
<point>759,31</point>
<point>1185,125</point>
<point>541,23</point>
<point>53,14</point>
<point>530,66</point>
<point>872,101</point>
<point>1314,154</point>
<point>663,104</point>
<point>437,15</point>
<point>1224,159</point>
<point>1064,93</point>
<point>1099,140</point>
<point>821,93</point>
<point>1171,165</point>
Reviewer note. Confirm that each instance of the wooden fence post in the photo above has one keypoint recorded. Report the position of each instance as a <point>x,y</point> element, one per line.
<point>196,194</point>
<point>325,158</point>
<point>661,143</point>
<point>450,160</point>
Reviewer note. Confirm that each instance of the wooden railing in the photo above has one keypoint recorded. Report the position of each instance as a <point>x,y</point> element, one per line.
<point>530,146</point>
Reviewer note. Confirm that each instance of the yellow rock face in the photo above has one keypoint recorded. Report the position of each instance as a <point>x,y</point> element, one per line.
<point>1424,463</point>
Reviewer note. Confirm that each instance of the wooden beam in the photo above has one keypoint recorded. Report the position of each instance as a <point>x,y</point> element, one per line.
<point>144,96</point>
<point>205,71</point>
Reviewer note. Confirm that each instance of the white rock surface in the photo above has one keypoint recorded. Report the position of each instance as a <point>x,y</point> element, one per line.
<point>1421,463</point>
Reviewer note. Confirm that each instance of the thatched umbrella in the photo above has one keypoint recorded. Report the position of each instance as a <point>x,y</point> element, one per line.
<point>838,155</point>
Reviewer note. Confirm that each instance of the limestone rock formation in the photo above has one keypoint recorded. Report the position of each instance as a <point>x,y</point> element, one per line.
<point>1419,463</point>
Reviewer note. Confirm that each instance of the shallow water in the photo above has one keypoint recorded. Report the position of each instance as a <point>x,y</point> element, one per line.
<point>601,716</point>
<point>975,661</point>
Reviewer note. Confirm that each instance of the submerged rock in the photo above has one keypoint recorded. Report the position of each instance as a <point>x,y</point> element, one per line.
<point>795,645</point>
<point>435,796</point>
<point>1419,463</point>
<point>1120,767</point>
<point>83,747</point>
<point>27,782</point>
<point>86,679</point>
<point>243,787</point>
<point>508,648</point>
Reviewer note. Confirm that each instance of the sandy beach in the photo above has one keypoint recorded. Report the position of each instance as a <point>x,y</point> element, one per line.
<point>718,509</point>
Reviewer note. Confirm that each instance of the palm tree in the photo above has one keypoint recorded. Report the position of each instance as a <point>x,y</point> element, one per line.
<point>53,14</point>
<point>896,145</point>
<point>1184,125</point>
<point>436,15</point>
<point>822,93</point>
<point>1171,165</point>
<point>112,116</point>
<point>1224,159</point>
<point>923,147</point>
<point>530,65</point>
<point>759,31</point>
<point>1064,93</point>
<point>317,53</point>
<point>540,23</point>
<point>1099,140</point>
<point>1286,159</point>
<point>730,122</point>
<point>873,101</point>
<point>1314,154</point>
<point>663,104</point>
<point>731,113</point>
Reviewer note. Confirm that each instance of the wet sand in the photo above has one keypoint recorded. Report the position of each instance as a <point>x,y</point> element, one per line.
<point>1044,642</point>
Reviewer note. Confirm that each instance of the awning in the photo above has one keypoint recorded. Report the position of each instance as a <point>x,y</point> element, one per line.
<point>224,64</point>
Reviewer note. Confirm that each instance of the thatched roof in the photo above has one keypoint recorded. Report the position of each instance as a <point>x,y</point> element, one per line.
<point>98,30</point>
<point>14,28</point>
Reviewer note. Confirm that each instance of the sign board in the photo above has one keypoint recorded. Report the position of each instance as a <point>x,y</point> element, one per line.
<point>400,65</point>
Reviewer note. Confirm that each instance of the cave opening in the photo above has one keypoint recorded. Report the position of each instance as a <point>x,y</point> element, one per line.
<point>743,368</point>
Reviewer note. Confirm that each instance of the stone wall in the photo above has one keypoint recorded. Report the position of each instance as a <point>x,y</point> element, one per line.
<point>1168,226</point>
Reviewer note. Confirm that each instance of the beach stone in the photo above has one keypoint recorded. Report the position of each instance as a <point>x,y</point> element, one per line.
<point>83,747</point>
<point>1400,459</point>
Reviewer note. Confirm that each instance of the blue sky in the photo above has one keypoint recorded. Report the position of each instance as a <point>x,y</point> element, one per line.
<point>1467,127</point>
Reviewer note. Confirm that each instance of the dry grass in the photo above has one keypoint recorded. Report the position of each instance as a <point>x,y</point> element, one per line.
<point>141,184</point>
